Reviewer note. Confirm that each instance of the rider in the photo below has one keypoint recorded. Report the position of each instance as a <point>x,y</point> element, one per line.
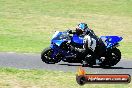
<point>91,41</point>
<point>88,34</point>
<point>82,29</point>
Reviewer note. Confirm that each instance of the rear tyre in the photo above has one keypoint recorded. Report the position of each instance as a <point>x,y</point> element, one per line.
<point>112,58</point>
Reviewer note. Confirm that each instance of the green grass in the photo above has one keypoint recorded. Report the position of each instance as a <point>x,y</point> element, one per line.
<point>16,78</point>
<point>27,25</point>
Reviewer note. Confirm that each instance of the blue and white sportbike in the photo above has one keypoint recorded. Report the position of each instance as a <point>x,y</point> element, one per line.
<point>60,50</point>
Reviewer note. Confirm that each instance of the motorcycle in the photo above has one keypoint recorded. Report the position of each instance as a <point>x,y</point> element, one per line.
<point>60,50</point>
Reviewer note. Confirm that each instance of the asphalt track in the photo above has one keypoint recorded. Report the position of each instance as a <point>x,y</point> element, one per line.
<point>33,61</point>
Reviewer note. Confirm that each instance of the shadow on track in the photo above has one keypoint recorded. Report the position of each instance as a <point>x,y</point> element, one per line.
<point>116,68</point>
<point>71,64</point>
<point>110,67</point>
<point>96,66</point>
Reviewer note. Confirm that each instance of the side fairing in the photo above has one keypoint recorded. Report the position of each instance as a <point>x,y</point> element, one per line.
<point>59,38</point>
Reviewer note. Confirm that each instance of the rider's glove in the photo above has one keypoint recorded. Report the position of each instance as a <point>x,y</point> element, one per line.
<point>69,31</point>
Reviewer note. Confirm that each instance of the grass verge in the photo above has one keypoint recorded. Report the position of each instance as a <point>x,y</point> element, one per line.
<point>27,25</point>
<point>18,78</point>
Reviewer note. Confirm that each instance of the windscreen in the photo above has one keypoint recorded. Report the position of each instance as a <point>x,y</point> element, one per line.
<point>62,36</point>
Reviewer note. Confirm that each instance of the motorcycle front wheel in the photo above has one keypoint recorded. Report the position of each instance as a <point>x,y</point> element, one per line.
<point>46,56</point>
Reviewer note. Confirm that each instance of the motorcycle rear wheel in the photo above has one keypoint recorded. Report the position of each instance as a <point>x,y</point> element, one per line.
<point>112,58</point>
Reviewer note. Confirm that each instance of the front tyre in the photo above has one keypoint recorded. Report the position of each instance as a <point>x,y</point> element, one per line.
<point>46,56</point>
